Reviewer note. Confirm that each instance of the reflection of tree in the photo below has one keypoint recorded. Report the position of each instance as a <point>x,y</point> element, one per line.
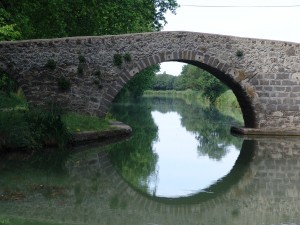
<point>135,159</point>
<point>210,127</point>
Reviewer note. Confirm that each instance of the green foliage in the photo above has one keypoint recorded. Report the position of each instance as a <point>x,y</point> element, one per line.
<point>192,78</point>
<point>81,59</point>
<point>99,85</point>
<point>46,124</point>
<point>229,106</point>
<point>14,130</point>
<point>76,122</point>
<point>80,70</point>
<point>33,127</point>
<point>63,84</point>
<point>139,83</point>
<point>98,73</point>
<point>61,18</point>
<point>7,85</point>
<point>118,60</point>
<point>163,82</point>
<point>239,53</point>
<point>8,30</point>
<point>135,160</point>
<point>51,64</point>
<point>12,101</point>
<point>211,87</point>
<point>127,57</point>
<point>212,136</point>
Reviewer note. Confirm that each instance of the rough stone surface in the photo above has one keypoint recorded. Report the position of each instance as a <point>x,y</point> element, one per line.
<point>265,77</point>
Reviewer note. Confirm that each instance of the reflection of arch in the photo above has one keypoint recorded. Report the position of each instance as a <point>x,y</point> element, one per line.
<point>227,74</point>
<point>221,187</point>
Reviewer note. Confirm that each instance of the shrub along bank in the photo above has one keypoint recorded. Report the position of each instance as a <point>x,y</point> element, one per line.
<point>226,103</point>
<point>23,128</point>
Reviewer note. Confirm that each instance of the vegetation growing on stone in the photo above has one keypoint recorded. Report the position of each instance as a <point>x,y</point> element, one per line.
<point>81,59</point>
<point>7,85</point>
<point>98,73</point>
<point>51,64</point>
<point>64,84</point>
<point>239,53</point>
<point>118,60</point>
<point>98,84</point>
<point>127,57</point>
<point>80,70</point>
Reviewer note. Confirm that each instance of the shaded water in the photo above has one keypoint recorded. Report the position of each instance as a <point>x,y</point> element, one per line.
<point>124,183</point>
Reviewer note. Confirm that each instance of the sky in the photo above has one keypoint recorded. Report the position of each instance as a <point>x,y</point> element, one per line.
<point>274,23</point>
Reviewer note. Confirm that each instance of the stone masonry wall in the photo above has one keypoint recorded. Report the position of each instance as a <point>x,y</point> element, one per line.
<point>265,75</point>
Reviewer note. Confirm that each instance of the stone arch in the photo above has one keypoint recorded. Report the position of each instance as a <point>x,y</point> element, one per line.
<point>235,79</point>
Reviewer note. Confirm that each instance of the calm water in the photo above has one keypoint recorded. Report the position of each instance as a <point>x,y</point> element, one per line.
<point>181,166</point>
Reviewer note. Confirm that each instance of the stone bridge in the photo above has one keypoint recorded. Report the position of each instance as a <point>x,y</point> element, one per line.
<point>84,74</point>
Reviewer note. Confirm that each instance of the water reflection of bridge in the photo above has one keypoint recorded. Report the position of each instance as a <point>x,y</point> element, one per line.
<point>263,191</point>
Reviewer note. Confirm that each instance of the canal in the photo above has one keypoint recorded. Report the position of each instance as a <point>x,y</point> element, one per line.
<point>181,166</point>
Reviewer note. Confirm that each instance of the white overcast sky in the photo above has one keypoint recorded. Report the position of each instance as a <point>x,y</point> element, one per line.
<point>275,23</point>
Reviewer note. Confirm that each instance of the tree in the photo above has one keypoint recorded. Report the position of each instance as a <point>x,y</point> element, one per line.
<point>199,80</point>
<point>163,82</point>
<point>140,82</point>
<point>60,18</point>
<point>7,31</point>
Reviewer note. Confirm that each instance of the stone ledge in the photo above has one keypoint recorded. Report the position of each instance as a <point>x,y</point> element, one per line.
<point>262,132</point>
<point>118,130</point>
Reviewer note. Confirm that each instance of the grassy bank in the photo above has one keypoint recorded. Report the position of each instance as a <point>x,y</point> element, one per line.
<point>22,127</point>
<point>187,95</point>
<point>226,103</point>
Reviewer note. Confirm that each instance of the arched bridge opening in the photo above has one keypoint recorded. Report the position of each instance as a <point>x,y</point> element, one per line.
<point>226,74</point>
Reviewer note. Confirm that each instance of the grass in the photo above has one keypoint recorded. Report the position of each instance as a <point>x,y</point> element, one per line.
<point>12,101</point>
<point>19,221</point>
<point>226,103</point>
<point>229,106</point>
<point>227,99</point>
<point>186,95</point>
<point>21,127</point>
<point>76,123</point>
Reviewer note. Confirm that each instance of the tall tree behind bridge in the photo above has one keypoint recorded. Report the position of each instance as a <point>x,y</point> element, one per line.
<point>31,19</point>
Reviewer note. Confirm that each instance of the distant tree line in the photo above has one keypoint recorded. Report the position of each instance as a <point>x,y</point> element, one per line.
<point>192,78</point>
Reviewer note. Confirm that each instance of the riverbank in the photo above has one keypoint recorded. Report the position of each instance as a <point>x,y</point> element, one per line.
<point>226,103</point>
<point>117,130</point>
<point>25,129</point>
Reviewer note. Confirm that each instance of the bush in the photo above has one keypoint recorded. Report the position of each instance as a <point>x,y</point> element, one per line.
<point>81,59</point>
<point>51,64</point>
<point>63,84</point>
<point>32,129</point>
<point>118,60</point>
<point>239,53</point>
<point>46,125</point>
<point>7,84</point>
<point>127,57</point>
